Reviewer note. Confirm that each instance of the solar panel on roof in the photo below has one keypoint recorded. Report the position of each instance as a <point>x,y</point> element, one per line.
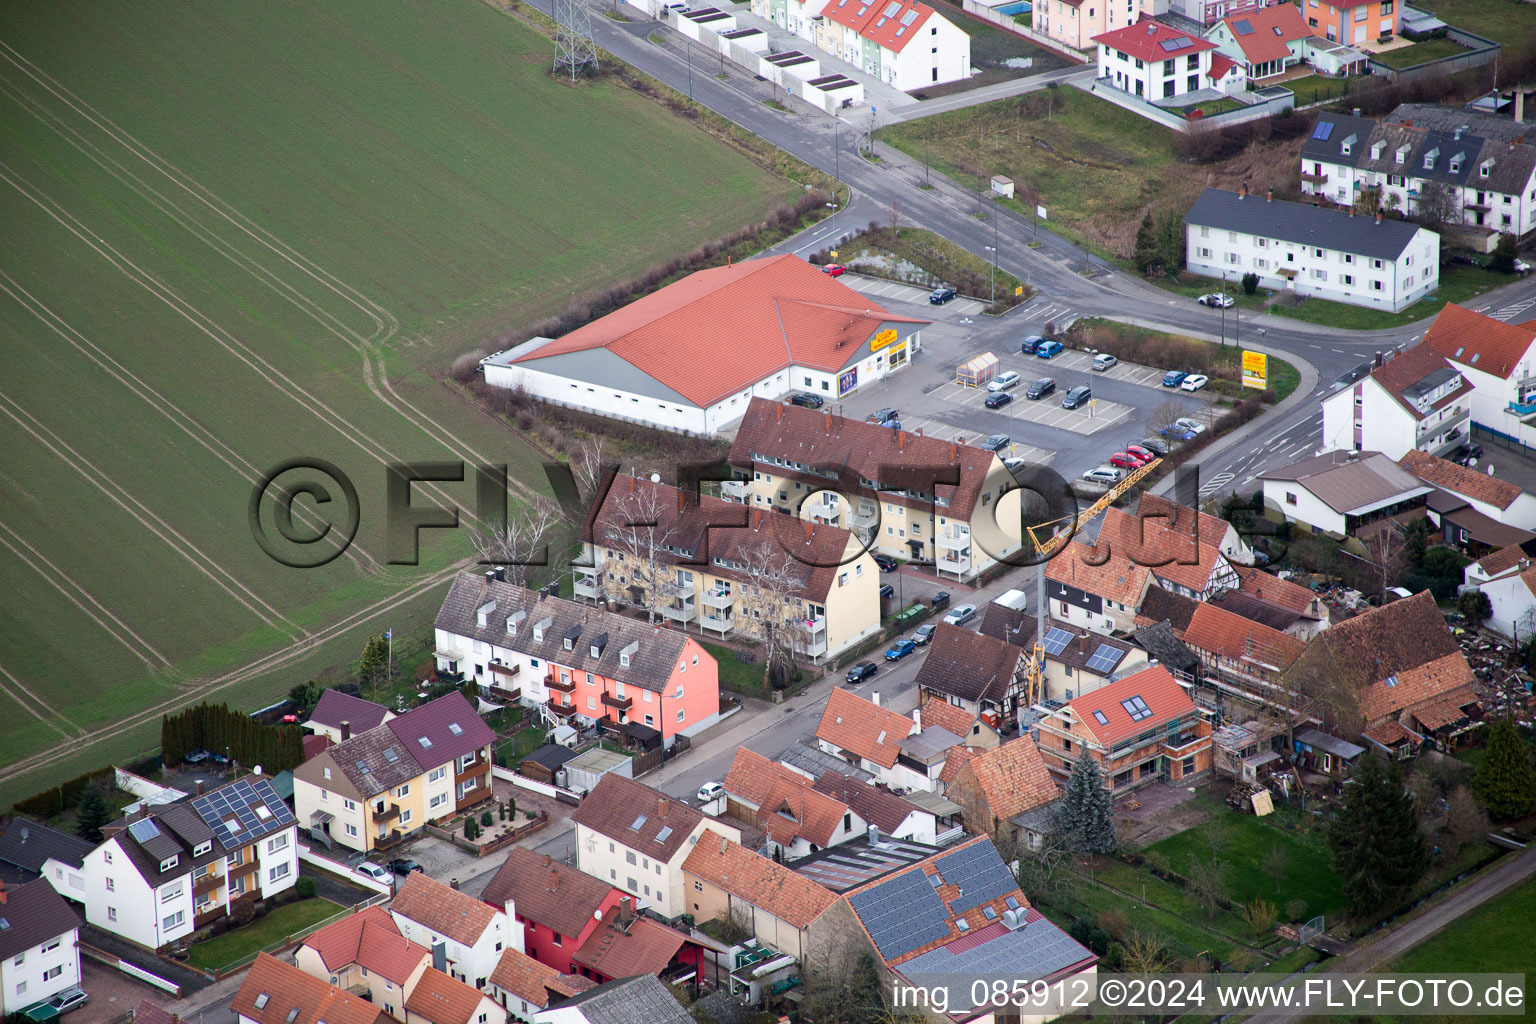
<point>144,830</point>
<point>1105,659</point>
<point>1056,640</point>
<point>1175,45</point>
<point>909,17</point>
<point>1322,131</point>
<point>891,8</point>
<point>980,874</point>
<point>902,914</point>
<point>250,809</point>
<point>1244,27</point>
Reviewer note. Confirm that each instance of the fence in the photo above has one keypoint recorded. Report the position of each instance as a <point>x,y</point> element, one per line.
<point>1272,101</point>
<point>541,820</point>
<point>336,867</point>
<point>294,938</point>
<point>131,970</point>
<point>565,796</point>
<point>1480,51</point>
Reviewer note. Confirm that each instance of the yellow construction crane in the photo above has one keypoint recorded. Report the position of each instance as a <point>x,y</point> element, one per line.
<point>1048,548</point>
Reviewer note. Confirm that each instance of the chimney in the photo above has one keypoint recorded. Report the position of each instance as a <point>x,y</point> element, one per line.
<point>901,440</point>
<point>954,451</point>
<point>1269,195</point>
<point>199,787</point>
<point>919,431</point>
<point>917,718</point>
<point>874,698</point>
<point>781,414</point>
<point>1519,106</point>
<point>757,518</point>
<point>554,880</point>
<point>724,845</point>
<point>1408,123</point>
<point>873,834</point>
<point>826,420</point>
<point>548,860</point>
<point>662,808</point>
<point>808,529</point>
<point>682,500</point>
<point>1242,191</point>
<point>346,731</point>
<point>624,904</point>
<point>453,883</point>
<point>4,896</point>
<point>1378,216</point>
<point>1357,111</point>
<point>440,956</point>
<point>1456,135</point>
<point>631,485</point>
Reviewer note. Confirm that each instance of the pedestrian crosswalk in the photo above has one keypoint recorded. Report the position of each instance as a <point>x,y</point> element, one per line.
<point>1514,313</point>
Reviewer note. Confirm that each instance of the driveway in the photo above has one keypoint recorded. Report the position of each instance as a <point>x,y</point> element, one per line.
<point>112,993</point>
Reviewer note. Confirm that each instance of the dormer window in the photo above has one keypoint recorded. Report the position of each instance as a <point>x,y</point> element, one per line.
<point>571,636</point>
<point>1348,144</point>
<point>628,653</point>
<point>1430,157</point>
<point>1456,163</point>
<point>169,862</point>
<point>1402,152</point>
<point>1484,168</point>
<point>202,848</point>
<point>1376,148</point>
<point>514,620</point>
<point>483,614</point>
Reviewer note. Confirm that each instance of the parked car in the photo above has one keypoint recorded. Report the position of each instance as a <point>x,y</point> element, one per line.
<point>961,614</point>
<point>1192,425</point>
<point>1173,378</point>
<point>1125,460</point>
<point>885,562</point>
<point>403,866</point>
<point>996,442</point>
<point>997,399</point>
<point>375,872</point>
<point>1040,388</point>
<point>939,296</point>
<point>1141,452</point>
<point>1155,445</point>
<point>1194,382</point>
<point>1217,300</point>
<point>808,400</point>
<point>1030,343</point>
<point>1104,361</point>
<point>900,649</point>
<point>834,270</point>
<point>1522,268</point>
<point>57,1004</point>
<point>939,600</point>
<point>1106,475</point>
<point>1015,464</point>
<point>923,634</point>
<point>887,591</point>
<point>1176,431</point>
<point>1003,381</point>
<point>1077,397</point>
<point>1048,349</point>
<point>1466,454</point>
<point>860,672</point>
<point>713,790</point>
<point>884,416</point>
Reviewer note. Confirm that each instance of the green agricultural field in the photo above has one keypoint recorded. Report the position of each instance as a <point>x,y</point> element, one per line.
<point>240,233</point>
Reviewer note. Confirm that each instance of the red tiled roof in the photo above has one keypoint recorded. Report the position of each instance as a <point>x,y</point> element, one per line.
<point>946,716</point>
<point>1291,596</point>
<point>1462,480</point>
<point>1170,515</point>
<point>793,810</point>
<point>1497,563</point>
<point>289,990</point>
<point>1388,641</point>
<point>776,311</point>
<point>1446,712</point>
<point>1220,65</point>
<point>442,908</point>
<point>1011,778</point>
<point>369,939</point>
<point>1420,685</point>
<point>524,977</point>
<point>547,892</point>
<point>1166,548</point>
<point>957,758</point>
<point>771,887</point>
<point>1478,341</point>
<point>1145,38</point>
<point>1113,577</point>
<point>1397,374</point>
<point>646,948</point>
<point>616,803</point>
<point>1273,27</point>
<point>752,775</point>
<point>876,806</point>
<point>443,1000</point>
<point>891,23</point>
<point>1228,635</point>
<point>863,728</point>
<point>1155,686</point>
<point>1389,733</point>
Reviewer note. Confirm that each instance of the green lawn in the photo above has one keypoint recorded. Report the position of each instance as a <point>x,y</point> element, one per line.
<point>1245,840</point>
<point>1420,53</point>
<point>1458,284</point>
<point>1507,23</point>
<point>520,746</point>
<point>737,676</point>
<point>243,233</point>
<point>261,933</point>
<point>991,48</point>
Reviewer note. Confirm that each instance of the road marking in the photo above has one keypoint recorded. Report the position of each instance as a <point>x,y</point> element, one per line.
<point>1508,313</point>
<point>1216,483</point>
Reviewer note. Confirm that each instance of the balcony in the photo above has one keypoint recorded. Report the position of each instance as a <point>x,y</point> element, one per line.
<point>504,674</point>
<point>389,814</point>
<point>721,624</point>
<point>813,636</point>
<point>618,703</point>
<point>559,685</point>
<point>1455,420</point>
<point>718,598</point>
<point>479,766</point>
<point>673,588</point>
<point>683,611</point>
<point>209,882</point>
<point>864,518</point>
<point>563,710</point>
<point>954,543</point>
<point>202,916</point>
<point>1319,178</point>
<point>736,490</point>
<point>388,840</point>
<point>586,586</point>
<point>239,871</point>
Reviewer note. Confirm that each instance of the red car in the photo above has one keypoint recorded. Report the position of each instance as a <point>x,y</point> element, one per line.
<point>1125,460</point>
<point>1146,455</point>
<point>834,269</point>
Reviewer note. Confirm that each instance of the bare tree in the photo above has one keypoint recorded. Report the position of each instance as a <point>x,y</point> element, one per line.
<point>1144,953</point>
<point>1208,884</point>
<point>1436,206</point>
<point>1165,414</point>
<point>774,582</point>
<point>589,460</point>
<point>1049,874</point>
<point>1384,550</point>
<point>529,541</point>
<point>1465,822</point>
<point>841,982</point>
<point>1274,863</point>
<point>637,527</point>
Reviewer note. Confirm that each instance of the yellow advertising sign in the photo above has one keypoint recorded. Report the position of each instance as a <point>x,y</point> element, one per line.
<point>884,338</point>
<point>1255,370</point>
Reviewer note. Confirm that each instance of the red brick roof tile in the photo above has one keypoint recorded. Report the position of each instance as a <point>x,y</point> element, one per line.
<point>1113,577</point>
<point>368,939</point>
<point>1421,685</point>
<point>524,977</point>
<point>753,878</point>
<point>890,23</point>
<point>1145,38</point>
<point>1228,635</point>
<point>1462,480</point>
<point>547,892</point>
<point>289,990</point>
<point>443,1000</point>
<point>1011,778</point>
<point>646,947</point>
<point>441,908</point>
<point>863,728</point>
<point>1478,341</point>
<point>1155,686</point>
<point>1272,27</point>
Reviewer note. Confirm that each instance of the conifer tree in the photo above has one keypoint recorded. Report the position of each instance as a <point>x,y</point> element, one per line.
<point>1375,838</point>
<point>94,813</point>
<point>1084,818</point>
<point>1505,783</point>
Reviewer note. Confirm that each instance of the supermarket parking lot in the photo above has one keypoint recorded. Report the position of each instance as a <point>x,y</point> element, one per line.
<point>890,291</point>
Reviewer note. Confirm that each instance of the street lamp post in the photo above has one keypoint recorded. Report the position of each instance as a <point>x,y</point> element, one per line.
<point>836,155</point>
<point>994,251</point>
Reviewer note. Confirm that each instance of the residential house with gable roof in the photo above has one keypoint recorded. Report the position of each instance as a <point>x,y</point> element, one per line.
<point>973,729</point>
<point>1356,22</point>
<point>1184,562</point>
<point>557,907</point>
<point>1240,657</point>
<point>1074,23</point>
<point>1277,603</point>
<point>910,496</point>
<point>636,838</point>
<point>1499,362</point>
<point>728,570</point>
<point>437,998</point>
<point>158,876</point>
<point>1096,590</point>
<point>274,992</point>
<point>1339,492</point>
<point>339,716</point>
<point>1153,61</point>
<point>524,986</point>
<point>1266,42</point>
<point>366,950</point>
<point>1168,514</point>
<point>691,356</point>
<point>1507,578</point>
<point>1412,401</point>
<point>39,945</point>
<point>1140,729</point>
<point>863,733</point>
<point>795,819</point>
<point>1000,784</point>
<point>1470,508</point>
<point>40,851</point>
<point>976,673</point>
<point>371,790</point>
<point>1328,254</point>
<point>626,944</point>
<point>887,814</point>
<point>472,933</point>
<point>903,43</point>
<point>638,1000</point>
<point>1076,658</point>
<point>960,912</point>
<point>577,662</point>
<point>1394,675</point>
<point>783,910</point>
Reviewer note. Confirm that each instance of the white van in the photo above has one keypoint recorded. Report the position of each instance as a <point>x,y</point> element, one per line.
<point>1003,381</point>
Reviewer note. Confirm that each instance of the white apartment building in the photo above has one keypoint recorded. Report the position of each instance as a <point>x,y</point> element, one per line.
<point>161,876</point>
<point>471,932</point>
<point>1411,401</point>
<point>1153,61</point>
<point>1327,254</point>
<point>1498,361</point>
<point>636,839</point>
<point>39,945</point>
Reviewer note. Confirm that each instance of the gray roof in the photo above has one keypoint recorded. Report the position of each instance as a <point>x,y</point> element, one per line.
<point>1343,128</point>
<point>1041,819</point>
<point>598,367</point>
<point>551,755</point>
<point>640,1000</point>
<point>1345,481</point>
<point>596,760</point>
<point>1430,115</point>
<point>31,915</point>
<point>1301,224</point>
<point>651,664</point>
<point>930,744</point>
<point>1430,130</point>
<point>376,760</point>
<point>1159,642</point>
<point>28,845</point>
<point>1332,744</point>
<point>1038,949</point>
<point>815,762</point>
<point>849,865</point>
<point>178,829</point>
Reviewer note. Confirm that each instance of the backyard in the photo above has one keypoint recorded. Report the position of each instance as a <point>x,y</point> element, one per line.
<point>276,927</point>
<point>1503,22</point>
<point>1420,53</point>
<point>1458,284</point>
<point>997,53</point>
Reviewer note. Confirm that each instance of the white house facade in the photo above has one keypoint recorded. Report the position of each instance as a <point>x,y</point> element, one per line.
<point>1327,254</point>
<point>1338,492</point>
<point>39,945</point>
<point>1153,61</point>
<point>471,932</point>
<point>1412,401</point>
<point>1497,359</point>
